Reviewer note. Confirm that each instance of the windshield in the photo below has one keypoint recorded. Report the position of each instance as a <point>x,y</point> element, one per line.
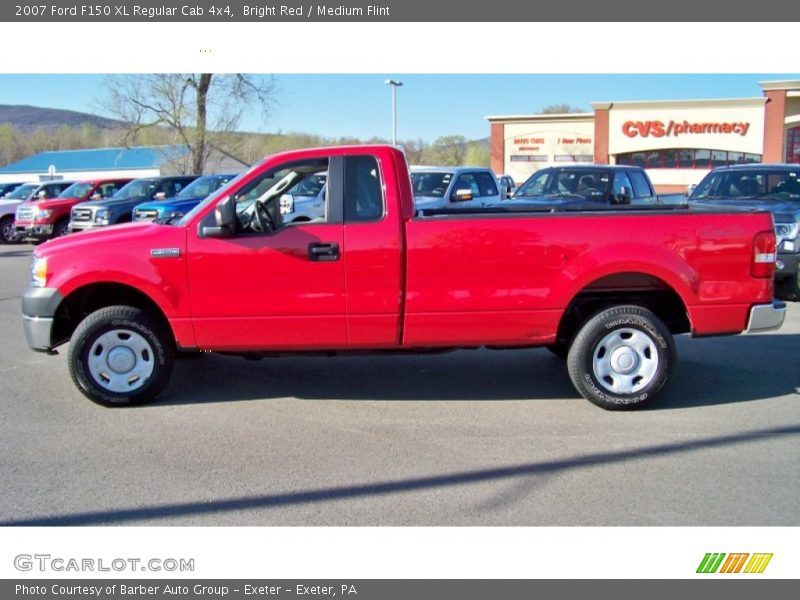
<point>138,188</point>
<point>431,184</point>
<point>76,190</point>
<point>749,184</point>
<point>23,191</point>
<point>589,184</point>
<point>203,186</point>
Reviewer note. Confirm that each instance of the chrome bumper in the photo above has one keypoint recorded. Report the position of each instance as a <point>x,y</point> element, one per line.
<point>766,317</point>
<point>37,332</point>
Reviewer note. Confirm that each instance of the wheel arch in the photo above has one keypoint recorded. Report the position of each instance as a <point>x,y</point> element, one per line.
<point>630,287</point>
<point>83,301</point>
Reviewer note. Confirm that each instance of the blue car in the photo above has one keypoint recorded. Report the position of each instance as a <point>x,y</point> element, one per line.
<point>184,201</point>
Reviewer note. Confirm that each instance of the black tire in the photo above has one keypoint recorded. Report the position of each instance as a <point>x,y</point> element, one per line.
<point>7,233</point>
<point>147,344</point>
<point>789,288</point>
<point>61,228</point>
<point>614,335</point>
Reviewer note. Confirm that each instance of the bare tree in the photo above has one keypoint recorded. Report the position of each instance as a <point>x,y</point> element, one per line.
<point>558,109</point>
<point>201,111</point>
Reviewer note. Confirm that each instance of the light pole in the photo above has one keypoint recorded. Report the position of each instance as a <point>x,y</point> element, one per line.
<point>395,85</point>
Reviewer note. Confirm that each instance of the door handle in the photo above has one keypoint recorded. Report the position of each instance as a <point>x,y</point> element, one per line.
<point>323,251</point>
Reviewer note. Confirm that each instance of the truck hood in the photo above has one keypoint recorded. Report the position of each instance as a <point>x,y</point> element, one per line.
<point>92,241</point>
<point>170,204</point>
<point>773,205</point>
<point>549,201</point>
<point>4,203</point>
<point>51,203</point>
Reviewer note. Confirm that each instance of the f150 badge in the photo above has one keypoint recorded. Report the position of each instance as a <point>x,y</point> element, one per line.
<point>165,252</point>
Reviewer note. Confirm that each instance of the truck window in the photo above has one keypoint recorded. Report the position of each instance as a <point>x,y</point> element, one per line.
<point>621,180</point>
<point>641,188</point>
<point>363,196</point>
<point>486,184</point>
<point>535,186</point>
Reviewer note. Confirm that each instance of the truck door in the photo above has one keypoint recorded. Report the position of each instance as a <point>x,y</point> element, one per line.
<point>272,285</point>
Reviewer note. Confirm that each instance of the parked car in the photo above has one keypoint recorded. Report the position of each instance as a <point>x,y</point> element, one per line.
<point>771,187</point>
<point>507,185</point>
<point>586,186</point>
<point>25,192</point>
<point>378,275</point>
<point>184,201</point>
<point>6,188</point>
<point>44,219</point>
<point>449,187</point>
<point>119,208</point>
<point>305,201</point>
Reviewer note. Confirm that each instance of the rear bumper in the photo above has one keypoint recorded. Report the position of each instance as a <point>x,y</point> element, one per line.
<point>766,317</point>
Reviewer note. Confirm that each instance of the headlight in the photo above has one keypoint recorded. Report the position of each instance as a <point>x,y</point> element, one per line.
<point>786,231</point>
<point>38,272</point>
<point>102,215</point>
<point>174,214</point>
<point>42,214</point>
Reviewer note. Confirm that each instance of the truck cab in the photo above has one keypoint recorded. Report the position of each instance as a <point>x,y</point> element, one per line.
<point>454,187</point>
<point>27,192</point>
<point>185,200</point>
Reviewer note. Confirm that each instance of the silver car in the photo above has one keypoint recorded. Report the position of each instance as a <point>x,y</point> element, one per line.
<point>454,187</point>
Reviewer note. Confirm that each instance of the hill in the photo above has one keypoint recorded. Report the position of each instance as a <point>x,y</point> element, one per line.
<point>26,119</point>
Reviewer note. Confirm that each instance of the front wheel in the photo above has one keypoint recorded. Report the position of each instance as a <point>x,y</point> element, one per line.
<point>621,358</point>
<point>7,233</point>
<point>120,355</point>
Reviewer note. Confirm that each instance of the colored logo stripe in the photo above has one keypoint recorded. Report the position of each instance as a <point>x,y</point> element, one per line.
<point>733,564</point>
<point>758,563</point>
<point>710,563</point>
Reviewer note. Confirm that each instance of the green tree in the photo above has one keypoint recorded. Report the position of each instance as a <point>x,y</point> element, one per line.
<point>560,109</point>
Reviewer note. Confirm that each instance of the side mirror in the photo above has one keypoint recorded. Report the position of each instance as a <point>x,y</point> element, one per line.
<point>464,195</point>
<point>623,197</point>
<point>159,196</point>
<point>224,219</point>
<point>690,189</point>
<point>287,204</point>
<point>96,196</point>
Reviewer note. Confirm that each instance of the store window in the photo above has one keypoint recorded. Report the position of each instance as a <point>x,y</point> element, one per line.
<point>793,145</point>
<point>529,158</point>
<point>691,158</point>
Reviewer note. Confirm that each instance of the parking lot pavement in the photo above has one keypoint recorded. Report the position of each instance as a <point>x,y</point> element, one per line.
<point>468,438</point>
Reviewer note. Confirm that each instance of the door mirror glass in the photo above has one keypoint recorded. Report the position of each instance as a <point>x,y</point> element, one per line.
<point>464,195</point>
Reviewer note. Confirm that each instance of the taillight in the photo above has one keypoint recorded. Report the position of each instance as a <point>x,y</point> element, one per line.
<point>763,265</point>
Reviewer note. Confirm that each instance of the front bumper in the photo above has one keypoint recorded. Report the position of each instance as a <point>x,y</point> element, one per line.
<point>766,317</point>
<point>787,265</point>
<point>76,226</point>
<point>38,309</point>
<point>33,230</point>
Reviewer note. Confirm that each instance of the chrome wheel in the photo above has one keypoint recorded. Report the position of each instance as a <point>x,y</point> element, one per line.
<point>625,361</point>
<point>121,360</point>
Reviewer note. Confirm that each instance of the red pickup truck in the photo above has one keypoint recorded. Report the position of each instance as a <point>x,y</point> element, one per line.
<point>44,219</point>
<point>607,288</point>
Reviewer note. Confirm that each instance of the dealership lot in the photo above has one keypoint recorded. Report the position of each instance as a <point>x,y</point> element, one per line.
<point>467,438</point>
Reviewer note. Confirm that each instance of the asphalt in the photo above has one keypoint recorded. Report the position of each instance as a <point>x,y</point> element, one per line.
<point>468,438</point>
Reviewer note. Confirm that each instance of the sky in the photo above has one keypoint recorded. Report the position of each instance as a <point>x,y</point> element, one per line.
<point>428,106</point>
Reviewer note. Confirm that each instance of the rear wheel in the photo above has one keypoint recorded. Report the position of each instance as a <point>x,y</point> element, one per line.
<point>7,233</point>
<point>120,355</point>
<point>621,358</point>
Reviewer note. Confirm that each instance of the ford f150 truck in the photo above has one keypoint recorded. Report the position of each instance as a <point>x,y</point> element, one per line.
<point>772,187</point>
<point>454,187</point>
<point>183,201</point>
<point>27,192</point>
<point>587,185</point>
<point>49,218</point>
<point>375,274</point>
